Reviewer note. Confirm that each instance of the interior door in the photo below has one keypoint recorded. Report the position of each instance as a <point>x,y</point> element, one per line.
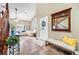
<point>44,28</point>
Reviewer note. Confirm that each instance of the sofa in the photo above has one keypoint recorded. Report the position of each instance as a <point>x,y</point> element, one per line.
<point>28,33</point>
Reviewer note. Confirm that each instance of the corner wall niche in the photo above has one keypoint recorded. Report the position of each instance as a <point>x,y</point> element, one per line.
<point>61,21</point>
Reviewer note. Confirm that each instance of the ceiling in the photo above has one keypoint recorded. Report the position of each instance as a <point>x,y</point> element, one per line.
<point>26,11</point>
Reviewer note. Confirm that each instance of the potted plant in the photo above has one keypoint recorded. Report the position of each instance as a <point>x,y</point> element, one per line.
<point>12,41</point>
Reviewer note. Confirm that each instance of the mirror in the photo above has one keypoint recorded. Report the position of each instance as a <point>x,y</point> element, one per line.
<point>61,20</point>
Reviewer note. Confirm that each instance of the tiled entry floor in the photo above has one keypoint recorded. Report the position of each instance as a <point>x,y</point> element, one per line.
<point>29,47</point>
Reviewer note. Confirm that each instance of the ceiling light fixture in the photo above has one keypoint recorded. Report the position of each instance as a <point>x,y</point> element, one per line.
<point>16,18</point>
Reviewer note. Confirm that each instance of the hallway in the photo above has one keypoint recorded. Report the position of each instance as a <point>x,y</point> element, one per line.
<point>29,47</point>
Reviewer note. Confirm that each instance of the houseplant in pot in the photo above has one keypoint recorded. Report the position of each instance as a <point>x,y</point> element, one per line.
<point>12,41</point>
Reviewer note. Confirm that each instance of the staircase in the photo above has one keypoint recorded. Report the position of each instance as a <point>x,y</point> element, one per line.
<point>4,28</point>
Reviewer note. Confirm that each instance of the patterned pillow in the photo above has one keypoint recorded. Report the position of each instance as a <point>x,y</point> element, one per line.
<point>70,41</point>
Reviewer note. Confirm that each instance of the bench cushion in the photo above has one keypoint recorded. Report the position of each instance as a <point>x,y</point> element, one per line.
<point>70,41</point>
<point>61,44</point>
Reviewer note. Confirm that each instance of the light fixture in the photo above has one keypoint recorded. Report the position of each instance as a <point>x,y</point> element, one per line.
<point>16,13</point>
<point>16,18</point>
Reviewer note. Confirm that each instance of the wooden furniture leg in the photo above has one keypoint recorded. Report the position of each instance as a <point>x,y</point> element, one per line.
<point>47,43</point>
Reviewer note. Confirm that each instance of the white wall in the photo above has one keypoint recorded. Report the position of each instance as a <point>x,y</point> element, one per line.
<point>46,9</point>
<point>34,23</point>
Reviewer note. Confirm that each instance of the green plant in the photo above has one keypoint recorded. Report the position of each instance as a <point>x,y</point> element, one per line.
<point>12,40</point>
